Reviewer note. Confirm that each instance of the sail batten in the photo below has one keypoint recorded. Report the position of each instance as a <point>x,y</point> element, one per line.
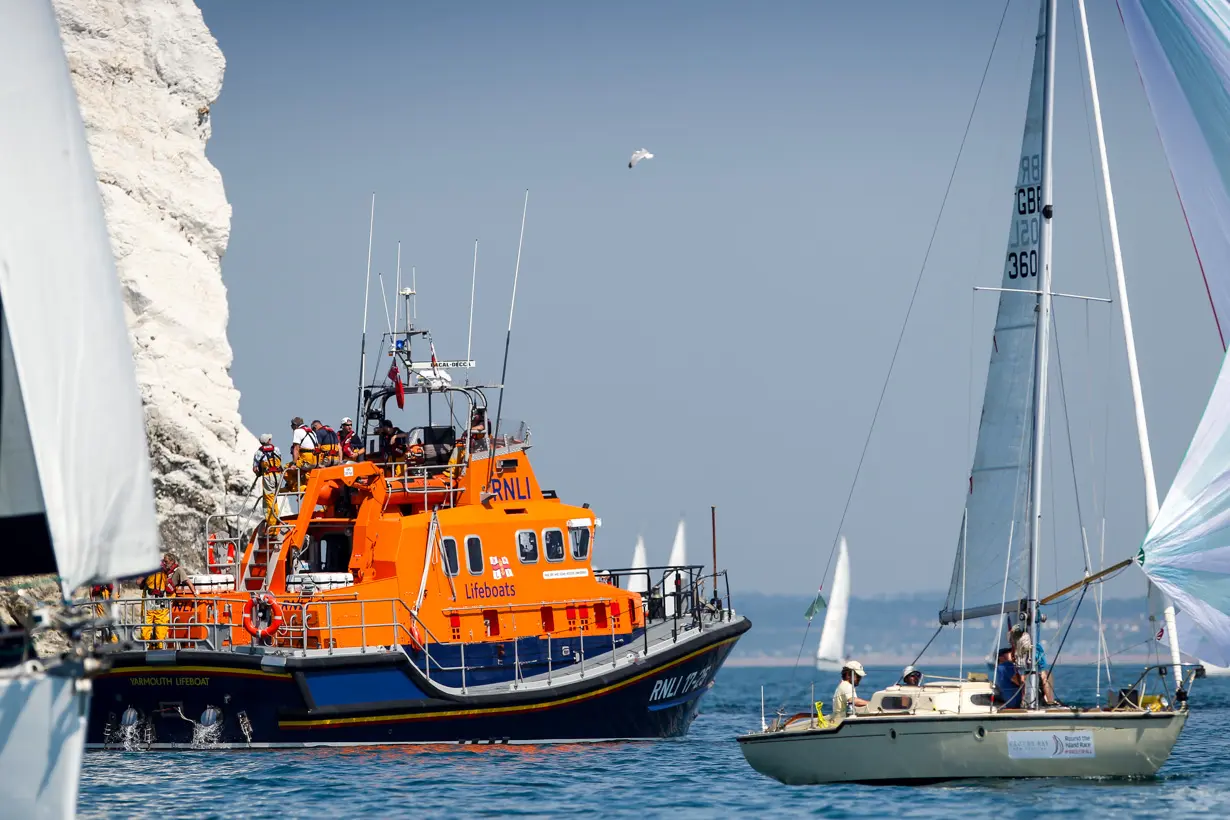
<point>74,467</point>
<point>993,543</point>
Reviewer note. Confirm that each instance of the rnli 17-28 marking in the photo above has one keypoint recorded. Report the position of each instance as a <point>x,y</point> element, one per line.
<point>679,685</point>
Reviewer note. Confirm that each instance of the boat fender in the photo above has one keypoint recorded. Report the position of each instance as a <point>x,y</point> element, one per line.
<point>275,621</point>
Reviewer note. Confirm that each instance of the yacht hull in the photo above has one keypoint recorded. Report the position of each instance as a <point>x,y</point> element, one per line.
<point>381,697</point>
<point>932,748</point>
<point>42,736</point>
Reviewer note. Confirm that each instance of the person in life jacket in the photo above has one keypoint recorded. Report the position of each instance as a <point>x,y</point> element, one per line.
<point>100,594</point>
<point>328,445</point>
<point>302,449</point>
<point>352,445</point>
<point>155,613</point>
<point>478,429</point>
<point>267,464</point>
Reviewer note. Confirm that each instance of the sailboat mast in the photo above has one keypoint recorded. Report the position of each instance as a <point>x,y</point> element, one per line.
<point>1129,340</point>
<point>1042,344</point>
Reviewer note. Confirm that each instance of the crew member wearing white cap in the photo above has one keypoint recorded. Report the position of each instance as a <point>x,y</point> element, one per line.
<point>911,676</point>
<point>352,446</point>
<point>846,697</point>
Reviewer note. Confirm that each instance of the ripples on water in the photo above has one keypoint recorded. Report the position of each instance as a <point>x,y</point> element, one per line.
<point>703,774</point>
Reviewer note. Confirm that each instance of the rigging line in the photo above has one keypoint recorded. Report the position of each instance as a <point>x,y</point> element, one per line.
<point>928,646</point>
<point>914,295</point>
<point>1071,620</point>
<point>1067,425</point>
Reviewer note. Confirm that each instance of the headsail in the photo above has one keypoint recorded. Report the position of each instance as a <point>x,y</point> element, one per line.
<point>992,547</point>
<point>1187,550</point>
<point>75,492</point>
<point>831,652</point>
<point>1182,51</point>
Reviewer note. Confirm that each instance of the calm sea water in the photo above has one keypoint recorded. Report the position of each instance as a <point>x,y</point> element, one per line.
<point>703,774</point>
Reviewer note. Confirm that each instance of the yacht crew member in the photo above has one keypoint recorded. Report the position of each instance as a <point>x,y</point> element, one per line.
<point>1007,681</point>
<point>911,676</point>
<point>846,698</point>
<point>329,447</point>
<point>267,464</point>
<point>1022,649</point>
<point>352,445</point>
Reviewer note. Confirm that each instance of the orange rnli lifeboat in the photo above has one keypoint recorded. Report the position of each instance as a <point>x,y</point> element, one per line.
<point>433,592</point>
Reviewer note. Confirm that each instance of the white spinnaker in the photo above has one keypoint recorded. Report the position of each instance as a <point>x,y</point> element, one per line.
<point>639,582</point>
<point>831,651</point>
<point>74,467</point>
<point>1186,552</point>
<point>996,529</point>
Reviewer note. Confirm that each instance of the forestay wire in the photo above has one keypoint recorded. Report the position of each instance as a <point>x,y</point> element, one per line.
<point>906,321</point>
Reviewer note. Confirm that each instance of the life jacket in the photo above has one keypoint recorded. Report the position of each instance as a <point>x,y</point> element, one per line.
<point>157,584</point>
<point>270,461</point>
<point>311,435</point>
<point>327,441</point>
<point>350,442</point>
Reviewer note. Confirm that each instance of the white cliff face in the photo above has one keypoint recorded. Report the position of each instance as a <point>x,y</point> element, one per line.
<point>146,72</point>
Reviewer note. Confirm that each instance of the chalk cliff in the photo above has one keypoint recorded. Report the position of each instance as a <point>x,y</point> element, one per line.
<point>146,73</point>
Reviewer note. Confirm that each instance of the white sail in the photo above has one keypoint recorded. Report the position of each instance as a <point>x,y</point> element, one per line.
<point>75,492</point>
<point>679,549</point>
<point>830,655</point>
<point>679,558</point>
<point>992,546</point>
<point>639,583</point>
<point>1187,550</point>
<point>42,740</point>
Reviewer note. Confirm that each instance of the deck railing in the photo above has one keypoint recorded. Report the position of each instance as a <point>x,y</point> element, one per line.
<point>330,625</point>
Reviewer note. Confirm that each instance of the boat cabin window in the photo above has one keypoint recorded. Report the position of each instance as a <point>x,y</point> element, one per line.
<point>449,548</point>
<point>980,699</point>
<point>474,554</point>
<point>323,551</point>
<point>580,542</point>
<point>553,544</point>
<point>896,703</point>
<point>527,546</point>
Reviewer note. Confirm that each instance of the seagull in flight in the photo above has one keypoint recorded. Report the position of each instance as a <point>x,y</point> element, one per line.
<point>637,156</point>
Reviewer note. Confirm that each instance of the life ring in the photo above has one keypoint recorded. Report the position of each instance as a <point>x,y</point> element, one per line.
<point>416,638</point>
<point>275,622</point>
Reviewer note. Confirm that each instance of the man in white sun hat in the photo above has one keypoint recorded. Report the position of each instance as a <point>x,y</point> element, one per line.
<point>846,698</point>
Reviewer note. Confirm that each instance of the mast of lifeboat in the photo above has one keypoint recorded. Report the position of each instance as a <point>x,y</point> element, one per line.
<point>367,286</point>
<point>508,336</point>
<point>1042,351</point>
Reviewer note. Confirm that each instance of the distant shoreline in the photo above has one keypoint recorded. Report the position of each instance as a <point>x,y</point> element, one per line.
<point>769,661</point>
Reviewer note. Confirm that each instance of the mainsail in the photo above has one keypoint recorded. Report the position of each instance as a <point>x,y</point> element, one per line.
<point>992,547</point>
<point>1182,51</point>
<point>75,492</point>
<point>831,652</point>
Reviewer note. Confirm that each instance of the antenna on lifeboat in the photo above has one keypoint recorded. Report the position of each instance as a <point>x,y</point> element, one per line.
<point>508,337</point>
<point>473,280</point>
<point>367,284</point>
<point>396,288</point>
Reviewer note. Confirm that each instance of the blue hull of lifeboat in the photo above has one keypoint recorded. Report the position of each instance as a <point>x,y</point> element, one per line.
<point>384,698</point>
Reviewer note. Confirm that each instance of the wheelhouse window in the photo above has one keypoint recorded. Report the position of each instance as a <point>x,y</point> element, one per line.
<point>527,546</point>
<point>553,544</point>
<point>474,554</point>
<point>449,548</point>
<point>579,536</point>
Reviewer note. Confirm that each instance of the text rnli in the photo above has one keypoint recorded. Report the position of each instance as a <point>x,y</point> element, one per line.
<point>668,689</point>
<point>510,489</point>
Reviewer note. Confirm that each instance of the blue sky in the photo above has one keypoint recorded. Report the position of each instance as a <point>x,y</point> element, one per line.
<point>714,326</point>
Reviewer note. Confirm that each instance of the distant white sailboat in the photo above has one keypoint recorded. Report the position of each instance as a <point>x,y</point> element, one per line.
<point>639,582</point>
<point>679,558</point>
<point>75,493</point>
<point>831,654</point>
